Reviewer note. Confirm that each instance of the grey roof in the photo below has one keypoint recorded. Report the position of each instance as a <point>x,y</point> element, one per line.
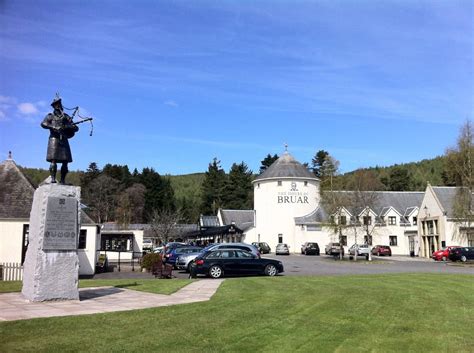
<point>286,167</point>
<point>319,215</point>
<point>209,221</point>
<point>446,196</point>
<point>244,219</point>
<point>410,210</point>
<point>16,192</point>
<point>399,200</point>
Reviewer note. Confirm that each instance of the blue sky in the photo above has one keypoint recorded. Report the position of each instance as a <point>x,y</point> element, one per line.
<point>173,84</point>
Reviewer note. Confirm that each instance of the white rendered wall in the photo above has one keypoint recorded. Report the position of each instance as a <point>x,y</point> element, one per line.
<point>11,237</point>
<point>88,256</point>
<point>277,206</point>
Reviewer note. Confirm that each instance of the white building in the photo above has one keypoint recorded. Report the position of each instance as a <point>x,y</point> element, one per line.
<point>16,199</point>
<point>288,209</point>
<point>437,227</point>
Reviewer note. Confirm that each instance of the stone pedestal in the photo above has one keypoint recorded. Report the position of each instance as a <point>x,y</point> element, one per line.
<point>51,267</point>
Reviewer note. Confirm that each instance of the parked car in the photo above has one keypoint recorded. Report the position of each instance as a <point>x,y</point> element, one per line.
<point>171,256</point>
<point>443,254</point>
<point>159,249</point>
<point>184,261</point>
<point>231,261</point>
<point>174,245</point>
<point>333,249</point>
<point>382,250</point>
<point>262,247</point>
<point>362,250</point>
<point>462,253</point>
<point>309,248</point>
<point>282,249</point>
<point>242,246</point>
<point>147,244</point>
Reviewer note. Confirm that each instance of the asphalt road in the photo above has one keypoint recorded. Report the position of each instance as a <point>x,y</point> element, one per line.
<point>301,265</point>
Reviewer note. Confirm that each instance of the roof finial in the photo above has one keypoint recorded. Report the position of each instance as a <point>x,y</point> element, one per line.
<point>10,155</point>
<point>286,147</point>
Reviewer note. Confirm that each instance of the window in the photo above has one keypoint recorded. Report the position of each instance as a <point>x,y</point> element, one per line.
<point>393,240</point>
<point>82,239</point>
<point>392,220</point>
<point>415,220</point>
<point>280,238</point>
<point>244,254</point>
<point>258,186</point>
<point>343,239</point>
<point>305,183</point>
<point>368,239</point>
<point>343,220</point>
<point>279,182</point>
<point>367,220</point>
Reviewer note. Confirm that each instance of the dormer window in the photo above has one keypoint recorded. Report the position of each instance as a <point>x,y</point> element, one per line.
<point>392,220</point>
<point>343,220</point>
<point>415,221</point>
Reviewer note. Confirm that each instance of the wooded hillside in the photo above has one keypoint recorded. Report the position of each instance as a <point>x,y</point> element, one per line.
<point>186,191</point>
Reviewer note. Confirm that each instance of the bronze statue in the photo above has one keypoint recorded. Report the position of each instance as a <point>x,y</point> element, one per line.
<point>62,128</point>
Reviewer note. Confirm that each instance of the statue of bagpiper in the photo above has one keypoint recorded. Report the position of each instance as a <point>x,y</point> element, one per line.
<point>61,127</point>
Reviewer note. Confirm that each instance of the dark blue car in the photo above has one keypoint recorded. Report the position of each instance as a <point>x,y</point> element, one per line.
<point>172,254</point>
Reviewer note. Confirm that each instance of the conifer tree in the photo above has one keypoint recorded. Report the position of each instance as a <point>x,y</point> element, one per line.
<point>267,161</point>
<point>238,189</point>
<point>213,188</point>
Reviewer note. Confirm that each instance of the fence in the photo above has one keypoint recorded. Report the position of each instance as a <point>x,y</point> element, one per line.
<point>11,271</point>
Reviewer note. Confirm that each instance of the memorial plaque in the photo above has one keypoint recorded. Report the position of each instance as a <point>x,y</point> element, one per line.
<point>61,224</point>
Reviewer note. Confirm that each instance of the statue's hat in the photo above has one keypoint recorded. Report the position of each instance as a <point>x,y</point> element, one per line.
<point>56,101</point>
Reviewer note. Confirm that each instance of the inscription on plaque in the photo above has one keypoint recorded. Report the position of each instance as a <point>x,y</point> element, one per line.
<point>61,224</point>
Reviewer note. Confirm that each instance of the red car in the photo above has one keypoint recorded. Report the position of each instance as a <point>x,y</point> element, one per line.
<point>442,255</point>
<point>381,250</point>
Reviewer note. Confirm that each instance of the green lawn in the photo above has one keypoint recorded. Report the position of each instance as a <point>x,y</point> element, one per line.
<point>145,285</point>
<point>376,313</point>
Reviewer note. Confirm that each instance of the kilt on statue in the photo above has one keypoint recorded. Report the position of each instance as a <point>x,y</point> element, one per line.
<point>61,128</point>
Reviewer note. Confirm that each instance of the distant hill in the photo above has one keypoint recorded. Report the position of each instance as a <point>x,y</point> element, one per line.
<point>419,173</point>
<point>36,175</point>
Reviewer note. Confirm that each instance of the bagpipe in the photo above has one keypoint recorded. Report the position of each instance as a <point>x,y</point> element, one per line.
<point>68,123</point>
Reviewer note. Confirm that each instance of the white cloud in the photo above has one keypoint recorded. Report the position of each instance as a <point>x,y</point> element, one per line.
<point>3,116</point>
<point>7,100</point>
<point>27,108</point>
<point>171,103</point>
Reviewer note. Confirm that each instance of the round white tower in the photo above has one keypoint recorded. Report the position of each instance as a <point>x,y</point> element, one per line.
<point>284,191</point>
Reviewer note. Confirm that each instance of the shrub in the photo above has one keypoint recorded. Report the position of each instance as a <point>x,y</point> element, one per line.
<point>149,259</point>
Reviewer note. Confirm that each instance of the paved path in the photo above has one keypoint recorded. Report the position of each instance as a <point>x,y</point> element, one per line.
<point>103,300</point>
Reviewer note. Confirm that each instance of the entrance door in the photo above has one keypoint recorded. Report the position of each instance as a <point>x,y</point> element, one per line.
<point>411,245</point>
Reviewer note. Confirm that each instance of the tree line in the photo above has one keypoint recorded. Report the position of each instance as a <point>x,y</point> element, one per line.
<point>113,193</point>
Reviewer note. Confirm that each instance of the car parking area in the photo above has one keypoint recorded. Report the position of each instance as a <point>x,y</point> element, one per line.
<point>310,265</point>
<point>324,265</point>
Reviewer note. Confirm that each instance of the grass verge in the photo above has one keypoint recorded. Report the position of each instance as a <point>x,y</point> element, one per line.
<point>376,313</point>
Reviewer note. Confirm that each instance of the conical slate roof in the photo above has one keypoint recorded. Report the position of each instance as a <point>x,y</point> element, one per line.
<point>286,167</point>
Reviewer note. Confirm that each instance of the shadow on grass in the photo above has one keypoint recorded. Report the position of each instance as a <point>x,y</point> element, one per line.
<point>134,284</point>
